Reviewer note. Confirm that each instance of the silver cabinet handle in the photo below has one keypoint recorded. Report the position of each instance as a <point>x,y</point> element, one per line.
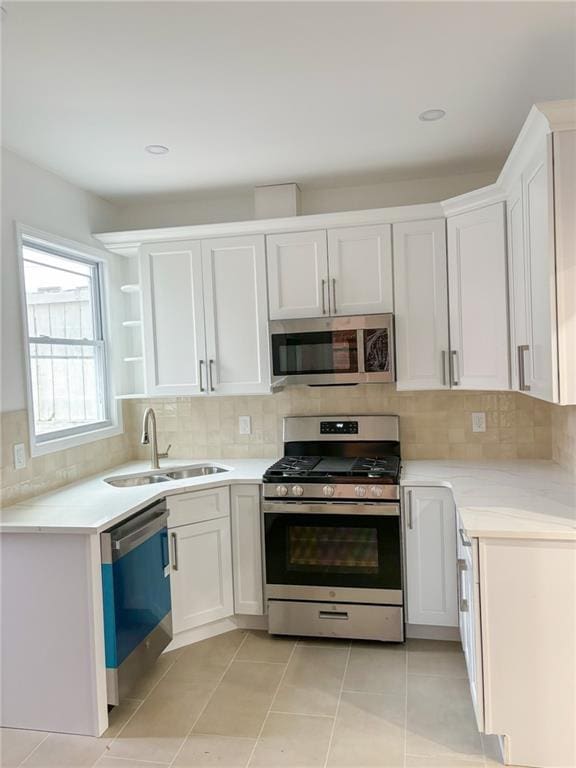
<point>522,386</point>
<point>334,310</point>
<point>465,542</point>
<point>410,520</point>
<point>444,367</point>
<point>174,538</point>
<point>210,371</point>
<point>323,283</point>
<point>200,364</point>
<point>455,381</point>
<point>462,602</point>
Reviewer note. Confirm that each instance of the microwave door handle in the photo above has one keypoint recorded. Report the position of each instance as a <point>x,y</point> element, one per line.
<point>360,350</point>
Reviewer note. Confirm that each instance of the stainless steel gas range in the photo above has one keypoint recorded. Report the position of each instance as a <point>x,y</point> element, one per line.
<point>332,529</point>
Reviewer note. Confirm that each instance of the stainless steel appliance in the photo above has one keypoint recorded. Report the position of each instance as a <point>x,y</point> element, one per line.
<point>336,350</point>
<point>136,597</point>
<point>333,547</point>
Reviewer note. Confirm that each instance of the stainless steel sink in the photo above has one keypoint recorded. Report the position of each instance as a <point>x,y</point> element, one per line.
<point>178,473</point>
<point>130,482</point>
<point>198,471</point>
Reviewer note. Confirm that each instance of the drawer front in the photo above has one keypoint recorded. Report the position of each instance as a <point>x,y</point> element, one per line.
<point>362,622</point>
<point>199,506</point>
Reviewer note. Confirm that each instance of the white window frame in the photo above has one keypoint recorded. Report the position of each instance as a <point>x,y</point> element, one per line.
<point>43,444</point>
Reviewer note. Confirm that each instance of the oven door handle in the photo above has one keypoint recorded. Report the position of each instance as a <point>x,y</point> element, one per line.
<point>376,509</point>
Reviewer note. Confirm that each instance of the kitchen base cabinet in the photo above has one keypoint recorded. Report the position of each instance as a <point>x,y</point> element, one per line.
<point>247,549</point>
<point>430,537</point>
<point>200,558</point>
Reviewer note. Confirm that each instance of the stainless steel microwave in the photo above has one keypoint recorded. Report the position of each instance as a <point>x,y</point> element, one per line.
<point>335,350</point>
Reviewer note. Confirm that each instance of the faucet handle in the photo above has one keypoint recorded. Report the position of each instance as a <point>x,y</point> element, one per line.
<point>166,452</point>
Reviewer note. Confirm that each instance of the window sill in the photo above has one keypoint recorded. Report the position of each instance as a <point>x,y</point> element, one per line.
<point>73,441</point>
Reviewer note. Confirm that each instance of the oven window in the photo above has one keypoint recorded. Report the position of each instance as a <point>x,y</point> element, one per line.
<point>314,352</point>
<point>333,550</point>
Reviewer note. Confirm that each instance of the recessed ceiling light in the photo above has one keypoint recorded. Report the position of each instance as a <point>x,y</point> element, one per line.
<point>430,115</point>
<point>157,149</point>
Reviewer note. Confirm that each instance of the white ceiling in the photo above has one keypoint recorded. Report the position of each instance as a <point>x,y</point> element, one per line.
<point>256,93</point>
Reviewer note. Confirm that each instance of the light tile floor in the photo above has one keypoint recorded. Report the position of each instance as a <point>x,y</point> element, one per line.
<point>246,700</point>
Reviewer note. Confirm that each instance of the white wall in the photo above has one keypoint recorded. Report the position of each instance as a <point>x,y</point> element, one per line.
<point>239,205</point>
<point>40,199</point>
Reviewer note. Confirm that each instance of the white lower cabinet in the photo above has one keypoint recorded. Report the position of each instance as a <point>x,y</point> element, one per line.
<point>200,558</point>
<point>469,618</point>
<point>430,536</point>
<point>247,549</point>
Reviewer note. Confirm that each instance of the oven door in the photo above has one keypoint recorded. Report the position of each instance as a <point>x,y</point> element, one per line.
<point>343,350</point>
<point>333,551</point>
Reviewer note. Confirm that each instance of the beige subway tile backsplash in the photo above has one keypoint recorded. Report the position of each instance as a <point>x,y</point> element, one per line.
<point>433,425</point>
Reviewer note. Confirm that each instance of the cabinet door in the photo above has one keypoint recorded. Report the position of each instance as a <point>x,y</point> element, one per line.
<point>360,270</point>
<point>236,315</point>
<point>173,317</point>
<point>478,301</point>
<point>430,535</point>
<point>247,549</point>
<point>297,265</point>
<point>517,288</point>
<point>469,619</point>
<point>542,374</point>
<point>201,573</point>
<point>421,305</point>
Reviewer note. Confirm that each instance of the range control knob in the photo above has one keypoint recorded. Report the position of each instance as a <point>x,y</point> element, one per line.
<point>377,491</point>
<point>281,490</point>
<point>297,490</point>
<point>360,490</point>
<point>328,490</point>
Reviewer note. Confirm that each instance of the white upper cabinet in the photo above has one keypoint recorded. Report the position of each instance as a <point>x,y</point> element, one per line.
<point>173,317</point>
<point>344,271</point>
<point>360,270</point>
<point>478,299</point>
<point>234,277</point>
<point>205,317</point>
<point>297,274</point>
<point>541,373</point>
<point>421,305</point>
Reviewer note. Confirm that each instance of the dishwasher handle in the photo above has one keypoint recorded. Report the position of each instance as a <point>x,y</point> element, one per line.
<point>121,546</point>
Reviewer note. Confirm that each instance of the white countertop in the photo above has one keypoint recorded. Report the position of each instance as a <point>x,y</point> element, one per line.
<point>516,498</point>
<point>505,499</point>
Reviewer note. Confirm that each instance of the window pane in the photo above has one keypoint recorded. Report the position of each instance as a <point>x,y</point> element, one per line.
<point>59,296</point>
<point>66,386</point>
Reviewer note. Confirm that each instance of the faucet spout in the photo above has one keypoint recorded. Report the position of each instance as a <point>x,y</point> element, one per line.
<point>149,436</point>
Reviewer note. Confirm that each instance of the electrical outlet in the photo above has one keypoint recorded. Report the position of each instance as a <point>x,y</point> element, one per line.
<point>478,422</point>
<point>245,425</point>
<point>19,456</point>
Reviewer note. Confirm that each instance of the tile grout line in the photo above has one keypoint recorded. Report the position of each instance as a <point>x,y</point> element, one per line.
<point>261,731</point>
<point>209,699</point>
<point>49,733</point>
<point>331,739</point>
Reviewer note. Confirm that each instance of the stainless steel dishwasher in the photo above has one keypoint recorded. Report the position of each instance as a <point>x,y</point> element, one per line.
<point>136,596</point>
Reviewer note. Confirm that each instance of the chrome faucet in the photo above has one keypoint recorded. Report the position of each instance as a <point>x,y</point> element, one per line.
<point>150,437</point>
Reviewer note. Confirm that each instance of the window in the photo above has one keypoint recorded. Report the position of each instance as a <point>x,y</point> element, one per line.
<point>69,386</point>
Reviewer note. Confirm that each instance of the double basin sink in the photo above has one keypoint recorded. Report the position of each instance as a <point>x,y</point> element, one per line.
<point>160,476</point>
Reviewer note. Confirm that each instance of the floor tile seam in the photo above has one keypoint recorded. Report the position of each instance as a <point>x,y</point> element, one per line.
<point>333,730</point>
<point>299,714</point>
<point>129,760</point>
<point>370,693</point>
<point>260,661</point>
<point>478,761</point>
<point>436,677</point>
<point>48,733</point>
<point>273,699</point>
<point>208,700</point>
